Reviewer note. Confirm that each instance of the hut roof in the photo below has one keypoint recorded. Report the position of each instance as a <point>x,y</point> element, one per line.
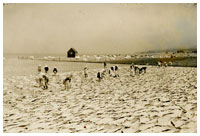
<point>73,50</point>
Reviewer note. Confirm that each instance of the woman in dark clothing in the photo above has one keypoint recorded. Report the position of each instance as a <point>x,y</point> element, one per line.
<point>46,69</point>
<point>55,70</point>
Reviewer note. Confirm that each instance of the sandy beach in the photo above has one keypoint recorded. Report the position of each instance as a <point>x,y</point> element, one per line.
<point>162,100</point>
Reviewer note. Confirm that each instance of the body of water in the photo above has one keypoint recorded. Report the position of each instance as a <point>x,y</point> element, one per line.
<point>12,66</point>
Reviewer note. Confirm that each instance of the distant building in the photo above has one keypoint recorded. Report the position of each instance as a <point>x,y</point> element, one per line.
<point>72,53</point>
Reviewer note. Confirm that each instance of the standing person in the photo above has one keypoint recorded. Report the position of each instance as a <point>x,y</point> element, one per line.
<point>105,65</point>
<point>105,68</point>
<point>46,69</point>
<point>55,71</point>
<point>46,81</point>
<point>39,79</point>
<point>67,81</point>
<point>116,71</point>
<point>99,76</point>
<point>111,71</point>
<point>39,68</point>
<point>159,64</point>
<point>45,77</point>
<point>131,70</point>
<point>86,71</point>
<point>136,69</point>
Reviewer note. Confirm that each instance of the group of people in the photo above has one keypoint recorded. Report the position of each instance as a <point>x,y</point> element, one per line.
<point>137,69</point>
<point>112,71</point>
<point>164,63</point>
<point>43,78</point>
<point>101,74</point>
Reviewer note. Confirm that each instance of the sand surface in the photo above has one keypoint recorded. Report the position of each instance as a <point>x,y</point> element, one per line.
<point>162,100</point>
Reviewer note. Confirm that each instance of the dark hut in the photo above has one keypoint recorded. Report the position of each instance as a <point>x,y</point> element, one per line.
<point>72,53</point>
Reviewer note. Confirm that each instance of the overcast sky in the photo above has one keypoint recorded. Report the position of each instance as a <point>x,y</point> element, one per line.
<point>98,28</point>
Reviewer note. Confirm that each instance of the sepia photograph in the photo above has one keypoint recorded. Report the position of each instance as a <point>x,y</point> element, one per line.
<point>99,68</point>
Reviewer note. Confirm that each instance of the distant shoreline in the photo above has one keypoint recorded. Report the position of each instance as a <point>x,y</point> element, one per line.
<point>176,62</point>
